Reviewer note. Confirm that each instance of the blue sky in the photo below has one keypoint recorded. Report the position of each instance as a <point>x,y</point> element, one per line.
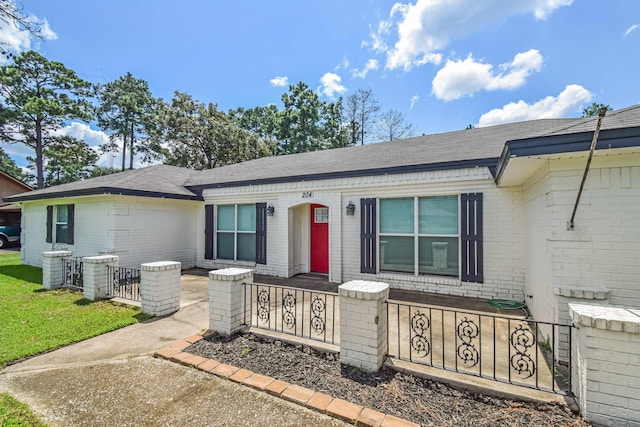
<point>443,63</point>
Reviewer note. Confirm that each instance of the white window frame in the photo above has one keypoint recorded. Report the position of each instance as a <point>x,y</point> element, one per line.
<point>416,235</point>
<point>321,215</point>
<point>235,232</point>
<point>56,223</point>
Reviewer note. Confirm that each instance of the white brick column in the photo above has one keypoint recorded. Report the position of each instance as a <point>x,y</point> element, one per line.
<point>226,308</point>
<point>95,274</point>
<point>52,268</point>
<point>565,295</point>
<point>606,360</point>
<point>363,323</point>
<point>160,287</point>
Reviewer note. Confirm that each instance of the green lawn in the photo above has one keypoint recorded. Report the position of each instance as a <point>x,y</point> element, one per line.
<point>14,413</point>
<point>34,320</point>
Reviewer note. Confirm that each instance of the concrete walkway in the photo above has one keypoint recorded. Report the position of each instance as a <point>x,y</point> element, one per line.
<point>112,379</point>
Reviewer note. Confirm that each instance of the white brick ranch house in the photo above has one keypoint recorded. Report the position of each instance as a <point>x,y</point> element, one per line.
<point>480,212</point>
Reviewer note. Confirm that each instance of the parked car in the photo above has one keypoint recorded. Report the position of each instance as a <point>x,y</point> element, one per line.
<point>9,234</point>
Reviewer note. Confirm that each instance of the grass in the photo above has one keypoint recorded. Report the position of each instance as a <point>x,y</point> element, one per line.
<point>35,320</point>
<point>14,413</point>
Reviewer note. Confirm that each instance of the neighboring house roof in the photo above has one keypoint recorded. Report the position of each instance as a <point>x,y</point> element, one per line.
<point>155,181</point>
<point>10,185</point>
<point>490,147</point>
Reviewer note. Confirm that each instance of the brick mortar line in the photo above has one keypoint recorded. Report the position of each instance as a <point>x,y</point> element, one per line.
<point>314,400</point>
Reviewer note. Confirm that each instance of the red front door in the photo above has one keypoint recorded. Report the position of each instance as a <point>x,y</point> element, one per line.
<point>319,239</point>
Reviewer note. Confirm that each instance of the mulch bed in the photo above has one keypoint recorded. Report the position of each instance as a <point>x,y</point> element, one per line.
<point>422,401</point>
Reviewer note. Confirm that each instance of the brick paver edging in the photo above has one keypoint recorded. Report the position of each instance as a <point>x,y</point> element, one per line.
<point>314,400</point>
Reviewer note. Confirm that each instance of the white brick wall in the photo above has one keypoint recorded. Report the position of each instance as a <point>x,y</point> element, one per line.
<point>137,229</point>
<point>504,228</point>
<point>603,250</point>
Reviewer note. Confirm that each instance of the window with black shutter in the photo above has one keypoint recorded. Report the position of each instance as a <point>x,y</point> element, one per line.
<point>61,224</point>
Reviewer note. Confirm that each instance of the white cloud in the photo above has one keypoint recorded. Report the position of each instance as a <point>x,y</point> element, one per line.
<point>377,38</point>
<point>279,81</point>
<point>414,100</point>
<point>466,77</point>
<point>331,84</point>
<point>631,29</point>
<point>426,27</point>
<point>569,101</point>
<point>83,132</point>
<point>343,65</point>
<point>18,40</point>
<point>47,32</point>
<point>370,65</point>
<point>94,138</point>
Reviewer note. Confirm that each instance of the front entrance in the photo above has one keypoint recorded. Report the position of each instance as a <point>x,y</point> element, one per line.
<point>319,239</point>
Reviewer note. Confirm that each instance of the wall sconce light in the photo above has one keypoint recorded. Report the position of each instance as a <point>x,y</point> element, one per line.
<point>270,210</point>
<point>351,208</point>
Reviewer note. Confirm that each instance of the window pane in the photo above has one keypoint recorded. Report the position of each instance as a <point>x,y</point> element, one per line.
<point>62,232</point>
<point>396,253</point>
<point>247,217</point>
<point>438,215</point>
<point>226,218</point>
<point>246,247</point>
<point>62,213</point>
<point>438,255</point>
<point>321,215</point>
<point>224,242</point>
<point>396,215</point>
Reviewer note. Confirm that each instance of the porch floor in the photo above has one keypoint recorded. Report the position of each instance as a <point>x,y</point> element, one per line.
<point>320,282</point>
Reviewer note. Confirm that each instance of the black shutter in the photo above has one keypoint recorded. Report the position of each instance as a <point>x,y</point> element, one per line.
<point>261,233</point>
<point>368,263</point>
<point>70,223</point>
<point>49,224</point>
<point>471,237</point>
<point>208,231</point>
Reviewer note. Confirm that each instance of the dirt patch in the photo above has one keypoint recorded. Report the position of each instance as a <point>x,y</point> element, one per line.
<point>419,400</point>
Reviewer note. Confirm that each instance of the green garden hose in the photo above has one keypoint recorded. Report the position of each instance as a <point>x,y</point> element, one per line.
<point>507,304</point>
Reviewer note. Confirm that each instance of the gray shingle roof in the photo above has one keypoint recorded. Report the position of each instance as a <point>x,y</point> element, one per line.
<point>464,145</point>
<point>154,181</point>
<point>624,118</point>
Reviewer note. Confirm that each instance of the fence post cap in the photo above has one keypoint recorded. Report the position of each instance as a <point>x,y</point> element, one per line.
<point>56,254</point>
<point>364,289</point>
<point>606,317</point>
<point>100,259</point>
<point>161,266</point>
<point>230,274</point>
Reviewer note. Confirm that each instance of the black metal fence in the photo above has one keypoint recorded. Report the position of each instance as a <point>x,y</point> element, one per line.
<point>508,349</point>
<point>123,283</point>
<point>72,276</point>
<point>300,312</point>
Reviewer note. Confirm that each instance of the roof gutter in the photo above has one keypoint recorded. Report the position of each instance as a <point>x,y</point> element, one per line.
<point>98,191</point>
<point>594,142</point>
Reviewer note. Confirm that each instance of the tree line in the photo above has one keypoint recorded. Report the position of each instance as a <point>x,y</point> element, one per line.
<point>39,97</point>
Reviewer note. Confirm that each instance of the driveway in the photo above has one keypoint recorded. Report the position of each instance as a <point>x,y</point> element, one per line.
<point>112,379</point>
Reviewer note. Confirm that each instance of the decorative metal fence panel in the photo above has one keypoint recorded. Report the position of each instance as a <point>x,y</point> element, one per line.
<point>123,283</point>
<point>72,276</point>
<point>300,312</point>
<point>507,349</point>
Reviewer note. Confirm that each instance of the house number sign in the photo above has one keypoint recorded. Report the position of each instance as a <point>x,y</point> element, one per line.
<point>307,194</point>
